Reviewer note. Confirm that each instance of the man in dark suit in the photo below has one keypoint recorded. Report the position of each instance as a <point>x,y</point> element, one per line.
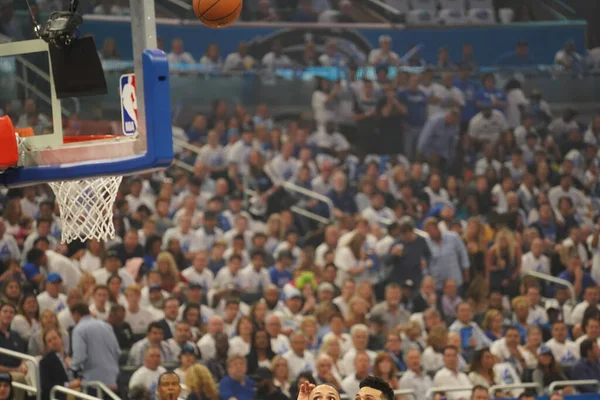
<point>171,311</point>
<point>54,367</point>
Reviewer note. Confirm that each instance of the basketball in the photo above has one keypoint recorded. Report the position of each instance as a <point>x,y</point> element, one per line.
<point>217,13</point>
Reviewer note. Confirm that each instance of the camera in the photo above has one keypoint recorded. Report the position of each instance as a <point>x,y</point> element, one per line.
<point>61,28</point>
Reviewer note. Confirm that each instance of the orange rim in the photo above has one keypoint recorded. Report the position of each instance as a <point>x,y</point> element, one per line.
<point>86,138</point>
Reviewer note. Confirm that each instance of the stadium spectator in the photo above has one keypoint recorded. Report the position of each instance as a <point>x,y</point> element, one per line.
<point>587,367</point>
<point>236,384</point>
<point>450,375</point>
<point>154,337</point>
<point>178,55</point>
<point>148,374</point>
<point>53,366</point>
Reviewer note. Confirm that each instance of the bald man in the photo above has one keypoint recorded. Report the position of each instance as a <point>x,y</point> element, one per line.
<point>308,391</point>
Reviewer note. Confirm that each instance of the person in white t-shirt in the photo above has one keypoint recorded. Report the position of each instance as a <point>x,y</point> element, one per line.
<point>590,299</point>
<point>488,125</point>
<point>65,318</point>
<point>450,376</point>
<point>564,350</point>
<point>447,96</point>
<point>100,307</point>
<point>199,272</point>
<point>362,364</point>
<point>147,375</point>
<point>52,298</point>
<point>136,316</point>
<point>537,314</point>
<point>112,265</point>
<point>360,339</point>
<point>178,55</point>
<point>298,358</point>
<point>384,55</point>
<point>207,344</point>
<point>276,58</point>
<point>535,260</point>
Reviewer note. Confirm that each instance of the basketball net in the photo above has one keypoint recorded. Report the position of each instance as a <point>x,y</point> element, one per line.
<point>86,207</point>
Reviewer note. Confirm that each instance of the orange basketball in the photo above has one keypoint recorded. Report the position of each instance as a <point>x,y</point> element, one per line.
<point>217,13</point>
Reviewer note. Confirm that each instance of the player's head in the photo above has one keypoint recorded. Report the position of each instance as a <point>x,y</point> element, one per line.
<point>374,388</point>
<point>169,386</point>
<point>324,392</point>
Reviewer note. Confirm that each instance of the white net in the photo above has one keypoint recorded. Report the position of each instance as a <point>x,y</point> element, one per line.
<point>86,207</point>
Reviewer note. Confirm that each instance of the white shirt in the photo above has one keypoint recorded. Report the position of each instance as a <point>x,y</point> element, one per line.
<point>146,378</point>
<point>564,353</point>
<point>272,60</point>
<point>377,56</point>
<point>55,304</point>
<point>379,216</point>
<point>30,208</point>
<point>236,61</point>
<point>483,164</point>
<point>139,320</point>
<point>68,271</point>
<point>342,305</point>
<point>89,262</point>
<point>212,156</point>
<point>65,319</point>
<point>281,344</point>
<point>348,360</point>
<point>185,239</point>
<point>489,129</point>
<point>333,141</point>
<point>9,249</point>
<point>237,345</point>
<point>448,97</point>
<point>350,385</point>
<point>322,112</point>
<point>431,360</point>
<point>206,345</point>
<point>345,260</point>
<point>499,349</point>
<point>530,263</point>
<point>578,310</point>
<point>204,278</point>
<point>595,270</point>
<point>22,327</point>
<point>500,197</point>
<point>446,377</point>
<point>514,99</point>
<point>344,340</point>
<point>28,244</point>
<point>102,276</point>
<point>101,315</point>
<point>420,383</point>
<point>182,58</point>
<point>299,364</point>
<point>537,315</point>
<point>254,281</point>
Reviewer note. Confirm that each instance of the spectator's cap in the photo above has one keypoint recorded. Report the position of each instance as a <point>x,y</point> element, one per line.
<point>408,284</point>
<point>486,104</point>
<point>187,349</point>
<point>153,287</point>
<point>54,278</point>
<point>258,252</point>
<point>544,350</point>
<point>5,376</point>
<point>262,374</point>
<point>535,93</point>
<point>233,132</point>
<point>552,304</point>
<point>290,292</point>
<point>210,215</point>
<point>285,254</point>
<point>376,319</point>
<point>325,287</point>
<point>237,195</point>
<point>75,246</point>
<point>195,181</point>
<point>112,253</point>
<point>195,285</point>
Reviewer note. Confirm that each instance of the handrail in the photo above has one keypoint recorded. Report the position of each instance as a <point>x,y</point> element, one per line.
<point>583,382</point>
<point>553,279</point>
<point>186,145</point>
<point>101,389</point>
<point>443,389</point>
<point>312,194</point>
<point>509,386</point>
<point>22,386</point>
<point>308,214</point>
<point>71,392</point>
<point>386,7</point>
<point>27,357</point>
<point>183,165</point>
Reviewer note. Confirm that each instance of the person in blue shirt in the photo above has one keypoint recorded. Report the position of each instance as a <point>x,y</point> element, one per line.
<point>35,268</point>
<point>577,276</point>
<point>236,384</point>
<point>520,57</point>
<point>415,101</point>
<point>588,367</point>
<point>439,136</point>
<point>490,93</point>
<point>469,88</point>
<point>281,272</point>
<point>342,197</point>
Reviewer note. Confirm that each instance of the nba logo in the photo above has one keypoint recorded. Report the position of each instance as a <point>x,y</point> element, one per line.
<point>129,112</point>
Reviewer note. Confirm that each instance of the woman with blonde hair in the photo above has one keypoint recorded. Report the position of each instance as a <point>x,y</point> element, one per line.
<point>86,284</point>
<point>503,263</point>
<point>477,244</point>
<point>309,327</point>
<point>352,260</point>
<point>492,325</point>
<point>433,359</point>
<point>357,312</point>
<point>384,367</point>
<point>167,268</point>
<point>478,294</point>
<point>48,321</point>
<point>200,383</point>
<point>332,347</point>
<point>281,374</point>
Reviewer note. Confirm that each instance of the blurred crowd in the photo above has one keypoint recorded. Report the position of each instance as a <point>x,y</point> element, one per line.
<point>411,228</point>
